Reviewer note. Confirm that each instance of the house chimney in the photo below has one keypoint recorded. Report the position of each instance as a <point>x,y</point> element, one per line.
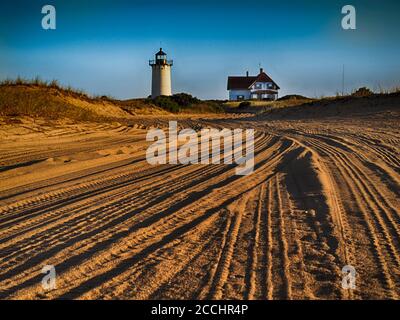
<point>247,73</point>
<point>261,70</point>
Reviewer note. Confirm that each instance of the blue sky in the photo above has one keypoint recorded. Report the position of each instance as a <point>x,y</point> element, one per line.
<point>104,46</point>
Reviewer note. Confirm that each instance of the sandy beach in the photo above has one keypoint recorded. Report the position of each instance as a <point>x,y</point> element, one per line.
<point>82,197</point>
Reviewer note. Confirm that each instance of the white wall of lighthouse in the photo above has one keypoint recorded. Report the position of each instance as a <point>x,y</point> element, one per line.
<point>161,75</point>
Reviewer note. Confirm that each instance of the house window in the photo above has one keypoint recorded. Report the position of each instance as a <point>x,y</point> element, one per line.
<point>240,97</point>
<point>269,85</point>
<point>258,85</point>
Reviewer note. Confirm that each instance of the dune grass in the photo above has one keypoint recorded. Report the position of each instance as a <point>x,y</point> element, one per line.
<point>40,98</point>
<point>42,101</point>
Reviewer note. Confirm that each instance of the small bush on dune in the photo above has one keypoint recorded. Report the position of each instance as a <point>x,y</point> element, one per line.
<point>184,99</point>
<point>244,104</point>
<point>293,97</point>
<point>167,103</point>
<point>362,92</point>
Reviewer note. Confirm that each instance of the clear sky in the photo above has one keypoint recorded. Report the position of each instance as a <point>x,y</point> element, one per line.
<point>104,46</point>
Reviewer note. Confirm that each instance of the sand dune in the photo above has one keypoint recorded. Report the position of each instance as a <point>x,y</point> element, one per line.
<point>82,197</point>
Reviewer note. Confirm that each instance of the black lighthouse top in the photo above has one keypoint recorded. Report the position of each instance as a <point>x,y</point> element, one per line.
<point>161,59</point>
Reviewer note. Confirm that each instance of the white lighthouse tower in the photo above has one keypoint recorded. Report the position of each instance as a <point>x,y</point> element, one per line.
<point>161,75</point>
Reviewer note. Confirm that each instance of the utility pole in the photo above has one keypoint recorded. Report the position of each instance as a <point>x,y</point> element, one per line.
<point>343,81</point>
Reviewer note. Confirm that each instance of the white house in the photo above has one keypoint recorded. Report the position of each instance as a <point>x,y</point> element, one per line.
<point>260,87</point>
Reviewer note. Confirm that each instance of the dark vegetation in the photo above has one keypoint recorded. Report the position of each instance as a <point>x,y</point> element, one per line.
<point>362,92</point>
<point>183,102</point>
<point>293,97</point>
<point>244,104</point>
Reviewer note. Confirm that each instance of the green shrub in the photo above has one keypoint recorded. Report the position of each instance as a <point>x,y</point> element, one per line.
<point>183,102</point>
<point>362,92</point>
<point>245,104</point>
<point>184,99</point>
<point>167,103</point>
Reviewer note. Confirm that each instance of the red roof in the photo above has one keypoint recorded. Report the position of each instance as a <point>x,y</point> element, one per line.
<point>240,82</point>
<point>244,83</point>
